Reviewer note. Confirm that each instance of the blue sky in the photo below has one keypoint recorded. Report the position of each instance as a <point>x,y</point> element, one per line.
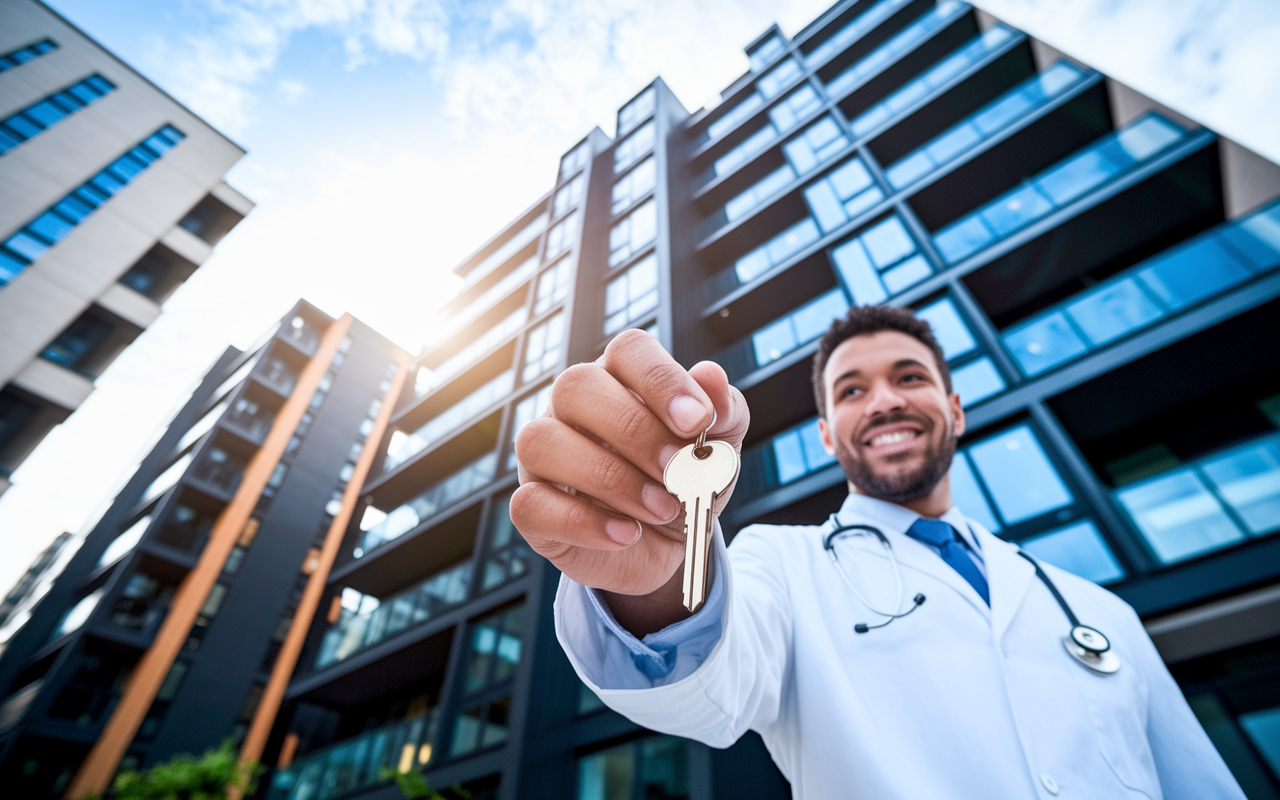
<point>387,139</point>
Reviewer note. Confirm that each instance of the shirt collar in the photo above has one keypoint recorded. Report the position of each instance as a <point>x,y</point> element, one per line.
<point>898,519</point>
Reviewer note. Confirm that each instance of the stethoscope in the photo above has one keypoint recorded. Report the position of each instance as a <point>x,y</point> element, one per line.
<point>1085,644</point>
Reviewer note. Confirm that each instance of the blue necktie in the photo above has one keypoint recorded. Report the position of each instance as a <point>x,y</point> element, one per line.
<point>952,548</point>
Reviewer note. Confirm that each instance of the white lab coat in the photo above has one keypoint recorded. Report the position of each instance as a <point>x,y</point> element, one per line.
<point>957,700</point>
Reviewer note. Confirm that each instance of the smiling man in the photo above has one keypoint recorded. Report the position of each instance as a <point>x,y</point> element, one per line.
<point>979,692</point>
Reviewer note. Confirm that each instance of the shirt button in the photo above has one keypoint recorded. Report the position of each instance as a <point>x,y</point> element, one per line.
<point>1049,783</point>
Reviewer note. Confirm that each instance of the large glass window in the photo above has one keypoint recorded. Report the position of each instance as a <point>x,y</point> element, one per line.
<point>731,118</point>
<point>492,661</point>
<point>780,77</point>
<point>762,190</point>
<point>740,154</point>
<point>569,195</point>
<point>633,233</point>
<point>631,295</point>
<point>776,250</point>
<point>638,182</point>
<point>974,379</point>
<point>853,31</point>
<point>879,262</point>
<point>637,111</point>
<point>507,556</point>
<point>380,527</point>
<point>634,147</point>
<point>24,54</point>
<point>75,347</point>
<point>842,194</point>
<point>34,118</point>
<point>1106,159</point>
<point>562,236</point>
<point>543,348</point>
<point>527,410</point>
<point>31,242</point>
<point>798,328</point>
<point>1018,476</point>
<point>652,768</point>
<point>904,40</point>
<point>766,52</point>
<point>1152,290</point>
<point>798,452</point>
<point>819,142</point>
<point>554,285</point>
<point>798,105</point>
<point>477,347</point>
<point>575,160</point>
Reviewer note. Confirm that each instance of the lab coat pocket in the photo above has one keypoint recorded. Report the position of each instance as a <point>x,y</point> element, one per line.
<point>1117,706</point>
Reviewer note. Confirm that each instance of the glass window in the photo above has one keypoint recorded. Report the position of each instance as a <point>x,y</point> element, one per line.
<point>798,328</point>
<point>575,160</point>
<point>819,142</point>
<point>843,194</point>
<point>1078,548</point>
<point>562,236</point>
<point>631,295</point>
<point>967,495</point>
<point>776,250</point>
<point>554,285</point>
<point>24,54</point>
<point>544,347</point>
<point>780,77</point>
<point>740,154</point>
<point>34,118</point>
<point>76,345</point>
<point>948,328</point>
<point>654,767</point>
<point>508,556</point>
<point>569,195</point>
<point>1044,343</point>
<point>631,149</point>
<point>635,184</point>
<point>762,55</point>
<point>799,451</point>
<point>633,232</point>
<point>527,410</point>
<point>904,40</point>
<point>762,190</point>
<point>496,645</point>
<point>1178,516</point>
<point>976,381</point>
<point>730,119</point>
<point>1248,481</point>
<point>881,260</point>
<point>637,111</point>
<point>795,108</point>
<point>1019,476</point>
<point>853,31</point>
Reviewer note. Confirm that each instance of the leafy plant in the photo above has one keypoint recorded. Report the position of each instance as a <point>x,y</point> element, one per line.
<point>413,785</point>
<point>185,777</point>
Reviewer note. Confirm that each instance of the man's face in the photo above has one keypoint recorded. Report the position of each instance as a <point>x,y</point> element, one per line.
<point>889,421</point>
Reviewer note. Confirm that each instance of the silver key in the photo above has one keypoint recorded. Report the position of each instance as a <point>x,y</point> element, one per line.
<point>697,475</point>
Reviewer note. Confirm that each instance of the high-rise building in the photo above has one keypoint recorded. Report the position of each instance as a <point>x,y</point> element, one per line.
<point>1102,276</point>
<point>113,196</point>
<point>178,620</point>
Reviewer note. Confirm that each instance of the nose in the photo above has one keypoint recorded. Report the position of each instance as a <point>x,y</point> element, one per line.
<point>883,399</point>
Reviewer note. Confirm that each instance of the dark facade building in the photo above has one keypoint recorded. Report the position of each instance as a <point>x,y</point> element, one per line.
<point>177,621</point>
<point>1104,279</point>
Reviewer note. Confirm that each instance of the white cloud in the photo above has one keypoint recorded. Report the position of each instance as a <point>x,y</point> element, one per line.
<point>290,90</point>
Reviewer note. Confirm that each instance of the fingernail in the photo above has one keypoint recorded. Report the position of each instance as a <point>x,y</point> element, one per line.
<point>686,413</point>
<point>662,505</point>
<point>667,453</point>
<point>622,531</point>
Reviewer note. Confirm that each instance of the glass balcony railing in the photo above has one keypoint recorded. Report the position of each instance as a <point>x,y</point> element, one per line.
<point>904,40</point>
<point>1016,104</point>
<point>361,762</point>
<point>504,286</point>
<point>776,250</point>
<point>403,447</point>
<point>1088,169</point>
<point>220,470</point>
<point>852,32</point>
<point>783,117</point>
<point>482,344</point>
<point>440,496</point>
<point>842,194</point>
<point>1212,503</point>
<point>797,328</point>
<point>916,90</point>
<point>879,262</point>
<point>1153,290</point>
<point>362,627</point>
<point>250,419</point>
<point>276,374</point>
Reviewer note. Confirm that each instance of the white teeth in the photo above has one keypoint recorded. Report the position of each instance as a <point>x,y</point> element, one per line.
<point>893,438</point>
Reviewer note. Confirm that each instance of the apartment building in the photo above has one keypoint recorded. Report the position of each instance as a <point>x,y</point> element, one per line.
<point>1102,274</point>
<point>178,620</point>
<point>113,197</point>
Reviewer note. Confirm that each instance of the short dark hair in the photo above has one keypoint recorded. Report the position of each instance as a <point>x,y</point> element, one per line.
<point>864,321</point>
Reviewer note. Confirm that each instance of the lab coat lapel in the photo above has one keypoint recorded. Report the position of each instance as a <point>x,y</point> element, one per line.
<point>914,555</point>
<point>1008,575</point>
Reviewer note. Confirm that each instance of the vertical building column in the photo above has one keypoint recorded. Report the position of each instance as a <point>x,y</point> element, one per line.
<point>273,695</point>
<point>100,765</point>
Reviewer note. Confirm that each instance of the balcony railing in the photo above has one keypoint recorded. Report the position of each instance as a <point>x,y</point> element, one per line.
<point>1215,502</point>
<point>250,419</point>
<point>276,374</point>
<point>359,629</point>
<point>403,447</point>
<point>301,335</point>
<point>219,470</point>
<point>1016,104</point>
<point>440,496</point>
<point>360,762</point>
<point>904,40</point>
<point>1160,287</point>
<point>783,118</point>
<point>1107,159</point>
<point>482,344</point>
<point>504,286</point>
<point>857,28</point>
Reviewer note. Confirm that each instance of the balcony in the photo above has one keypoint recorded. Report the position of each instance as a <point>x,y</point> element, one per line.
<point>404,446</point>
<point>365,621</point>
<point>220,471</point>
<point>853,31</point>
<point>1146,294</point>
<point>360,762</point>
<point>434,500</point>
<point>250,419</point>
<point>276,374</point>
<point>472,352</point>
<point>301,334</point>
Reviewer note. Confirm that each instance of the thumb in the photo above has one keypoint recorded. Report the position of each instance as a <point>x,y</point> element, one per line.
<point>732,415</point>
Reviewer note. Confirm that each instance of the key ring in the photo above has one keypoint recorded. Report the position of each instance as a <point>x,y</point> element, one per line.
<point>700,449</point>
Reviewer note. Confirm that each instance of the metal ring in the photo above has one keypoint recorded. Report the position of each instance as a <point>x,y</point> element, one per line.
<point>700,446</point>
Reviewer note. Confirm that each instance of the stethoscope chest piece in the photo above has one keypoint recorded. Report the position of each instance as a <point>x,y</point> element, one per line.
<point>1092,649</point>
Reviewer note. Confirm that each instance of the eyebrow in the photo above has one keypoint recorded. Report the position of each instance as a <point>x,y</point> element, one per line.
<point>902,363</point>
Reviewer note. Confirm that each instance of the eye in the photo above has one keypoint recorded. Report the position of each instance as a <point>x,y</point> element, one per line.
<point>850,391</point>
<point>911,377</point>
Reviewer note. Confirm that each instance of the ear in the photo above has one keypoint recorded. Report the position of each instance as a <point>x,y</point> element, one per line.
<point>824,431</point>
<point>957,413</point>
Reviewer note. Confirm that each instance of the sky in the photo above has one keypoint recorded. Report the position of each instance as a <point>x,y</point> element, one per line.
<point>387,140</point>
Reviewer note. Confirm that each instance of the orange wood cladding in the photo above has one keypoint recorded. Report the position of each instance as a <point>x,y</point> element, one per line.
<point>100,765</point>
<point>273,695</point>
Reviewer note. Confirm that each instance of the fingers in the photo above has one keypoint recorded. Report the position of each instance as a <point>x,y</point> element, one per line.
<point>639,363</point>
<point>732,415</point>
<point>551,450</point>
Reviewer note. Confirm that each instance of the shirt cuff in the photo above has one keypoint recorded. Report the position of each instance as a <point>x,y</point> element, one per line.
<point>693,637</point>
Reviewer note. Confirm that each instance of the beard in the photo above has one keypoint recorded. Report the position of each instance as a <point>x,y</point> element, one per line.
<point>899,487</point>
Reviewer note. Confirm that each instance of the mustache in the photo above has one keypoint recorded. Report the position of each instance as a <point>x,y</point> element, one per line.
<point>893,419</point>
